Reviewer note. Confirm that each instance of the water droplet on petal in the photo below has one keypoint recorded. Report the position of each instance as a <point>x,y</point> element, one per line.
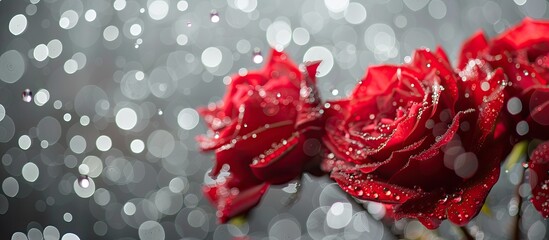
<point>443,200</point>
<point>83,181</point>
<point>26,95</point>
<point>189,24</point>
<point>214,16</point>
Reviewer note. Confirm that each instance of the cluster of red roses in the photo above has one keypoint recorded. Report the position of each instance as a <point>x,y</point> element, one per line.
<point>424,137</point>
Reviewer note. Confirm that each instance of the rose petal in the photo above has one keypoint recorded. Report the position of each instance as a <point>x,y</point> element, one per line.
<point>472,48</point>
<point>473,197</point>
<point>479,84</point>
<point>521,74</point>
<point>375,82</point>
<point>281,163</point>
<point>311,70</point>
<point>242,88</point>
<point>213,115</point>
<point>442,55</point>
<point>272,155</point>
<point>525,34</point>
<point>231,201</point>
<point>309,110</point>
<point>367,187</point>
<point>396,160</point>
<point>207,143</point>
<point>403,131</point>
<point>255,114</point>
<point>539,106</point>
<point>429,63</point>
<point>279,65</point>
<point>252,118</point>
<point>238,87</point>
<point>421,169</point>
<point>539,178</point>
<point>491,106</point>
<point>339,141</point>
<point>241,151</point>
<point>460,204</point>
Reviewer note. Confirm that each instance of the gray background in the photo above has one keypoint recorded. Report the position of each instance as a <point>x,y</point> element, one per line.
<point>156,193</point>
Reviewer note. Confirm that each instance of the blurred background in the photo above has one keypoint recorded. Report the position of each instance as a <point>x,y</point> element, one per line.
<point>97,119</point>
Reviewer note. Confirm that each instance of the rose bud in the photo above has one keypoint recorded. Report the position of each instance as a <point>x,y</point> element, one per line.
<point>265,131</point>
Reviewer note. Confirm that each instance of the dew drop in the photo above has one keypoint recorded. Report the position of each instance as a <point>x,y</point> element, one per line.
<point>443,200</point>
<point>214,16</point>
<point>83,181</point>
<point>26,95</point>
<point>485,86</point>
<point>189,24</point>
<point>257,57</point>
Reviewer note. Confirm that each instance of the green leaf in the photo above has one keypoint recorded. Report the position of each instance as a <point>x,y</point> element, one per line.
<point>486,210</point>
<point>238,220</point>
<point>514,157</point>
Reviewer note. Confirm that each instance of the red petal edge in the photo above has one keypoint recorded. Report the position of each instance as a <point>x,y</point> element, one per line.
<point>230,203</point>
<point>459,205</point>
<point>366,187</point>
<point>526,33</point>
<point>539,178</point>
<point>283,162</point>
<point>472,48</point>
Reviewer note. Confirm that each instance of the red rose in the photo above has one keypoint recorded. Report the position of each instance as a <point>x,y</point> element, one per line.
<point>539,178</point>
<point>418,136</point>
<point>523,54</point>
<point>264,132</point>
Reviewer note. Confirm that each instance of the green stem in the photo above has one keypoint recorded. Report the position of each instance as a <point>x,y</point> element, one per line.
<point>466,233</point>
